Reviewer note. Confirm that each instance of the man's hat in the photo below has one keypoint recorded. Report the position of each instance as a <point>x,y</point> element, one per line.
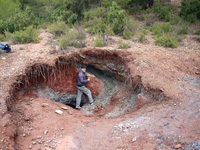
<point>83,66</point>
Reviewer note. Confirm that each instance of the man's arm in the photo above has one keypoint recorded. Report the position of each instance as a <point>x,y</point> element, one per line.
<point>82,80</point>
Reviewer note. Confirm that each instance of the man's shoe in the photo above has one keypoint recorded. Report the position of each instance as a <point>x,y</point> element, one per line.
<point>78,107</point>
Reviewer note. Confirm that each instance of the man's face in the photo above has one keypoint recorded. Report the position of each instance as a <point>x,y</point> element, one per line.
<point>84,69</point>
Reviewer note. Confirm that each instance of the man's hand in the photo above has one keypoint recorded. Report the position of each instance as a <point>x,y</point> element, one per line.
<point>88,79</point>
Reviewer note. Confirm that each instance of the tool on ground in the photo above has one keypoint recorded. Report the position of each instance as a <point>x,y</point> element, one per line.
<point>5,47</point>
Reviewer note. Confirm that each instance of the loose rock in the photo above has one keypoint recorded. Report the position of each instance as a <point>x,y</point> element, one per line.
<point>65,108</point>
<point>178,146</point>
<point>46,131</point>
<point>59,112</point>
<point>34,142</point>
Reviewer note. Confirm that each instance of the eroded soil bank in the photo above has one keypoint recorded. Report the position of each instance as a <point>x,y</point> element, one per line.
<point>143,101</point>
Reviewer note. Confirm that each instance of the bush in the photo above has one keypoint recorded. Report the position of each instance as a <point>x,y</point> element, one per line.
<point>166,35</point>
<point>30,34</point>
<point>109,30</point>
<point>123,45</point>
<point>166,27</point>
<point>98,41</point>
<point>175,19</point>
<point>99,12</point>
<point>142,35</point>
<point>165,13</point>
<point>58,28</point>
<point>184,29</point>
<point>18,21</point>
<point>140,3</point>
<point>158,30</point>
<point>74,37</point>
<point>96,26</point>
<point>2,37</point>
<point>198,32</point>
<point>166,40</point>
<point>130,28</point>
<point>68,11</point>
<point>116,17</point>
<point>155,28</point>
<point>190,10</point>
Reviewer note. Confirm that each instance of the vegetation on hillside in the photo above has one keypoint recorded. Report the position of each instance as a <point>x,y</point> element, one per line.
<point>68,20</point>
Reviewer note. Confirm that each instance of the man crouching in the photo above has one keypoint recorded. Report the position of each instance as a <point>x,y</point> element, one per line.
<point>82,80</point>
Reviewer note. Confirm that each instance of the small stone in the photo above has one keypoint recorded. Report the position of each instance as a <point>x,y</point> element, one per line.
<point>134,139</point>
<point>39,137</point>
<point>30,147</point>
<point>34,142</point>
<point>45,132</point>
<point>65,108</point>
<point>70,112</point>
<point>59,112</point>
<point>30,128</point>
<point>4,58</point>
<point>178,146</point>
<point>174,104</point>
<point>24,135</point>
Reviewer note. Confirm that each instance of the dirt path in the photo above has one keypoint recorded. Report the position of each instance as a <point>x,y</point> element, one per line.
<point>33,123</point>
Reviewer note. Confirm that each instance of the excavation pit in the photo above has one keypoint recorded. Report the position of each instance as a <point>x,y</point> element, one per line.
<point>60,85</point>
<point>111,84</point>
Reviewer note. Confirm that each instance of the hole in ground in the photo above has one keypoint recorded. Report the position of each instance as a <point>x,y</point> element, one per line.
<point>109,85</point>
<point>113,97</point>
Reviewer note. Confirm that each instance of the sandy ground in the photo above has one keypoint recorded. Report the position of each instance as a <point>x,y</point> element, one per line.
<point>175,122</point>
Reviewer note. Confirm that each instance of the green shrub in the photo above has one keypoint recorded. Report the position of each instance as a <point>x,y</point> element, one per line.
<point>96,26</point>
<point>142,35</point>
<point>199,39</point>
<point>155,28</point>
<point>98,41</point>
<point>175,19</point>
<point>164,13</point>
<point>130,28</point>
<point>190,10</point>
<point>150,19</point>
<point>73,37</point>
<point>69,11</point>
<point>123,45</point>
<point>17,21</point>
<point>109,30</point>
<point>134,9</point>
<point>166,27</point>
<point>116,17</point>
<point>58,28</point>
<point>2,37</point>
<point>158,30</point>
<point>99,12</point>
<point>198,32</point>
<point>30,34</point>
<point>166,40</point>
<point>184,29</point>
<point>139,3</point>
